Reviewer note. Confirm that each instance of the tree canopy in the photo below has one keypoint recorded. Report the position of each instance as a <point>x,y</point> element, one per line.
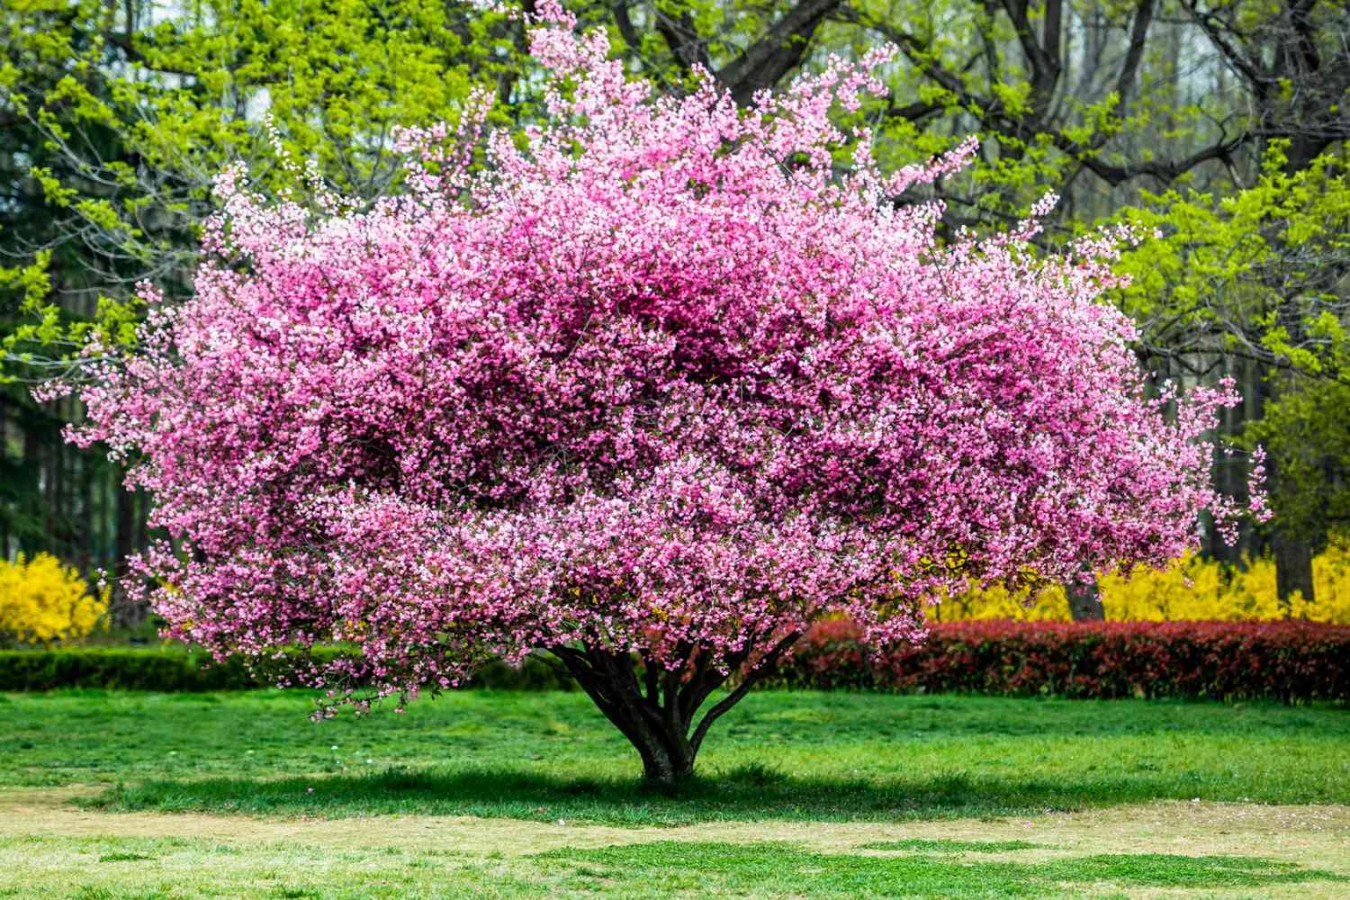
<point>632,386</point>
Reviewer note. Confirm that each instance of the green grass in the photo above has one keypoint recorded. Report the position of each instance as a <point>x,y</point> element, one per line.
<point>947,846</point>
<point>722,869</point>
<point>849,766</point>
<point>127,867</point>
<point>805,756</point>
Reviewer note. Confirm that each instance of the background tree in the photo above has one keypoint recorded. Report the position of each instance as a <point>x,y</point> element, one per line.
<point>1307,431</point>
<point>1253,286</point>
<point>1102,99</point>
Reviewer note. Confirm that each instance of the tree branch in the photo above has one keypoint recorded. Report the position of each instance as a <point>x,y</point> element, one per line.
<point>683,39</point>
<point>751,678</point>
<point>767,60</point>
<point>1134,53</point>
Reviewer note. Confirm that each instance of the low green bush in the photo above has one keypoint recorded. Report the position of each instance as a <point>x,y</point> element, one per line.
<point>173,669</point>
<point>1290,661</point>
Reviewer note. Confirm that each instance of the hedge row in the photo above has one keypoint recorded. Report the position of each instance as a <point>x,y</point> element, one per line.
<point>177,669</point>
<point>1288,661</point>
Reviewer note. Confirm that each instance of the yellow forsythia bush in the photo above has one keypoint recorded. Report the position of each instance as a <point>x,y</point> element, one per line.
<point>42,601</point>
<point>1194,589</point>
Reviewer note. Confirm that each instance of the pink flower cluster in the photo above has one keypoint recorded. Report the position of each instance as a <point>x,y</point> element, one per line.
<point>654,377</point>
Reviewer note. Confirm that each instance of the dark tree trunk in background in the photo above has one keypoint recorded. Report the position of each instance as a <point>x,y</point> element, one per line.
<point>9,474</point>
<point>1290,545</point>
<point>126,613</point>
<point>1293,567</point>
<point>657,709</point>
<point>1085,599</point>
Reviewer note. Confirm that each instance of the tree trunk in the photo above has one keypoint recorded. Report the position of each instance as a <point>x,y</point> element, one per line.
<point>1293,568</point>
<point>668,759</point>
<point>1085,599</point>
<point>658,708</point>
<point>126,612</point>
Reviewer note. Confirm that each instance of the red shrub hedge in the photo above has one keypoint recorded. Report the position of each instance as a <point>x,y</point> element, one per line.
<point>1289,661</point>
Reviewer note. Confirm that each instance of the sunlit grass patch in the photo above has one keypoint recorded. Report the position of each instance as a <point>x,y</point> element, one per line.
<point>768,867</point>
<point>201,867</point>
<point>939,845</point>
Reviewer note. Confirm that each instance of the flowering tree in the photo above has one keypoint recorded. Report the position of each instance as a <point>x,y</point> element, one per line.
<point>650,389</point>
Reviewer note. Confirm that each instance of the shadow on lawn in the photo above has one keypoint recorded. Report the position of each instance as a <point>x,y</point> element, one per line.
<point>746,793</point>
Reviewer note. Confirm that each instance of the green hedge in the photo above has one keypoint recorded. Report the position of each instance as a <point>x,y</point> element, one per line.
<point>177,669</point>
<point>1289,661</point>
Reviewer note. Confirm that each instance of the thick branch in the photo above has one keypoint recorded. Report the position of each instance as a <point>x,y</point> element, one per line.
<point>1164,170</point>
<point>751,678</point>
<point>1134,53</point>
<point>780,51</point>
<point>683,39</point>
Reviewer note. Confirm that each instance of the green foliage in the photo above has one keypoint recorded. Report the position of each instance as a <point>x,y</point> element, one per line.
<point>32,283</point>
<point>1256,273</point>
<point>1307,432</point>
<point>122,115</point>
<point>177,669</point>
<point>1254,284</point>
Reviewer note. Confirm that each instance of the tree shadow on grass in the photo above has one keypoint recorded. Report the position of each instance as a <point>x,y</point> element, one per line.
<point>751,792</point>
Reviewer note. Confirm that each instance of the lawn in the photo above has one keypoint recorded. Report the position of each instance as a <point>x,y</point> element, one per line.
<point>127,794</point>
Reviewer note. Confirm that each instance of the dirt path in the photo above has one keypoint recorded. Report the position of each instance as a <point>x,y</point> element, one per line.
<point>1313,836</point>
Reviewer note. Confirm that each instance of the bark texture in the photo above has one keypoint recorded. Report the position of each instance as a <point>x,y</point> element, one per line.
<point>1293,567</point>
<point>660,709</point>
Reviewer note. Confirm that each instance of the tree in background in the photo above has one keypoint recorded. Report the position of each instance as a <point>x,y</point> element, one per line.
<point>1307,432</point>
<point>636,394</point>
<point>1102,99</point>
<point>1253,286</point>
